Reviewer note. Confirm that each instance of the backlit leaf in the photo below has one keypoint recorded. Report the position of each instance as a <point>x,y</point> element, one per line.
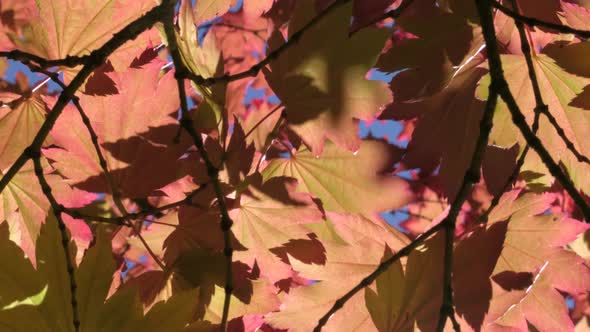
<point>321,80</point>
<point>344,181</point>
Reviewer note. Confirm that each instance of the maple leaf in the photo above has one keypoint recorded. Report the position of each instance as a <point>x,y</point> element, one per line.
<point>24,206</point>
<point>560,88</point>
<point>421,213</point>
<point>575,15</point>
<point>343,181</point>
<point>134,127</point>
<point>19,125</point>
<point>321,79</point>
<point>507,33</point>
<point>78,28</point>
<point>430,47</point>
<point>242,41</point>
<point>266,216</point>
<point>206,10</point>
<point>261,131</point>
<point>403,298</point>
<point>264,300</point>
<point>265,220</point>
<point>352,252</point>
<point>453,114</point>
<point>200,59</point>
<point>518,277</point>
<point>36,300</point>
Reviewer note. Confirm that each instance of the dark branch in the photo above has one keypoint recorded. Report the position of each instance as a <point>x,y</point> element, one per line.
<point>212,171</point>
<point>540,106</point>
<point>255,69</point>
<point>471,177</point>
<point>69,61</point>
<point>368,280</point>
<point>531,21</point>
<point>94,60</point>
<point>255,32</point>
<point>57,208</point>
<point>498,83</point>
<point>123,220</point>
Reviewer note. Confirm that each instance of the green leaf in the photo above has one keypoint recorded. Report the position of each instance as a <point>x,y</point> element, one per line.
<point>344,181</point>
<point>41,300</point>
<point>562,90</point>
<point>18,126</point>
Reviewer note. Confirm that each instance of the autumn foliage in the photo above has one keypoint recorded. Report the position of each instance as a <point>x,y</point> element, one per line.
<point>198,166</point>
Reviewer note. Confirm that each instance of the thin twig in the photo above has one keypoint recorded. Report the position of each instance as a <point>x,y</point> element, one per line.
<point>270,139</point>
<point>498,84</point>
<point>93,61</point>
<point>121,220</point>
<point>150,251</point>
<point>251,130</point>
<point>69,61</point>
<point>255,32</point>
<point>540,106</point>
<point>57,208</point>
<point>471,177</point>
<point>531,21</point>
<point>102,161</point>
<point>212,171</point>
<point>255,69</point>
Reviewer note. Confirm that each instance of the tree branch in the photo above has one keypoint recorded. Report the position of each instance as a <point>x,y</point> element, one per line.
<point>498,84</point>
<point>93,61</point>
<point>69,61</point>
<point>213,172</point>
<point>540,106</point>
<point>472,176</point>
<point>383,266</point>
<point>122,220</point>
<point>255,69</point>
<point>531,21</point>
<point>57,208</point>
<point>251,130</point>
<point>255,32</point>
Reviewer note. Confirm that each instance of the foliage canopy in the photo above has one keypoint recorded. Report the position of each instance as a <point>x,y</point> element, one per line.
<point>246,200</point>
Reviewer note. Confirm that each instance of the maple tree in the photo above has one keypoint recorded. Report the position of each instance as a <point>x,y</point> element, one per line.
<point>144,188</point>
